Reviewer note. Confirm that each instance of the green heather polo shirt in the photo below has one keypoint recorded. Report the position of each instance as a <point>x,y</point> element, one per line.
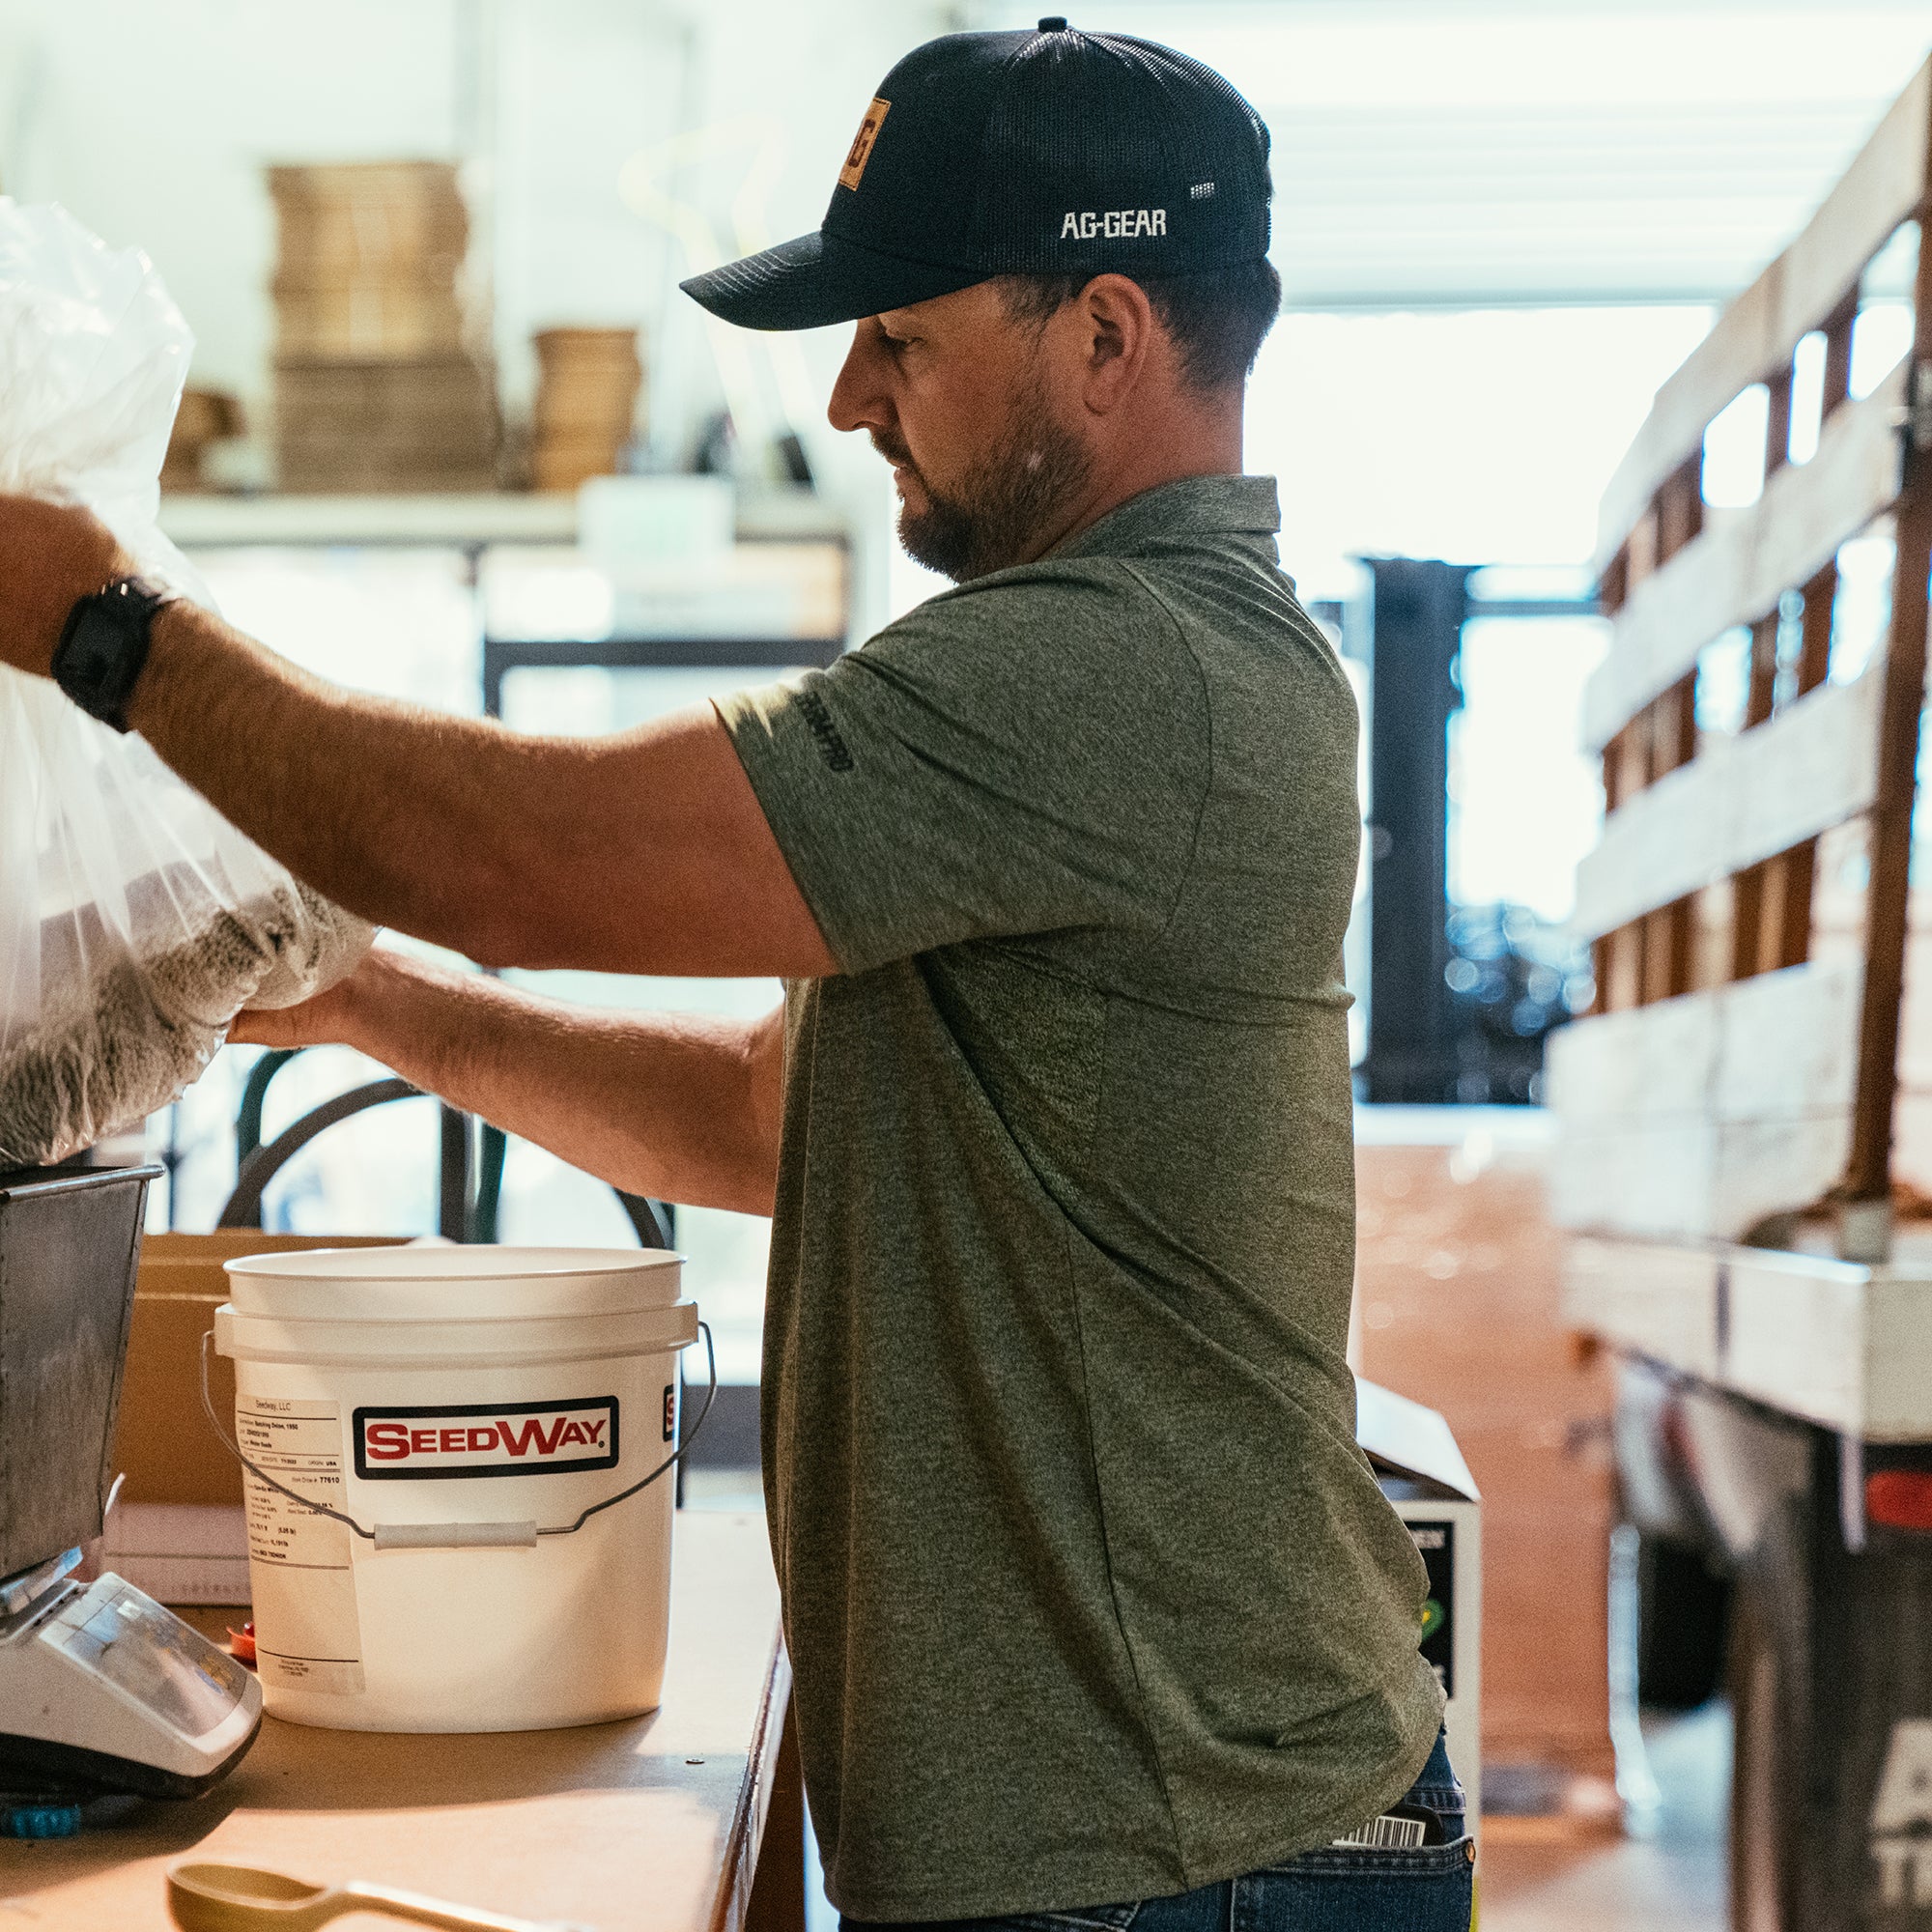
<point>1089,1595</point>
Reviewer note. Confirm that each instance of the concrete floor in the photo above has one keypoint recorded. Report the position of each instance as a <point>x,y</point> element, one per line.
<point>1559,1875</point>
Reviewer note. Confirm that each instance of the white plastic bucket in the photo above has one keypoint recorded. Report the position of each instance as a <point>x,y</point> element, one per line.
<point>466,1405</point>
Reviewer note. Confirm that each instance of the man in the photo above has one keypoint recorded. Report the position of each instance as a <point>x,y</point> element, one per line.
<point>1090,1598</point>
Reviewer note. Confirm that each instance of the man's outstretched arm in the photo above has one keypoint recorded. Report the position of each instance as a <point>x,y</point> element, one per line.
<point>644,852</point>
<point>680,1107</point>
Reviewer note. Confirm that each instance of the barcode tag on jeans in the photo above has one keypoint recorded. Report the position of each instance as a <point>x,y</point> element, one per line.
<point>1387,1833</point>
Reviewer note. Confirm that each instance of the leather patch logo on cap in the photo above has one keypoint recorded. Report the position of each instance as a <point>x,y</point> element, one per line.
<point>863,143</point>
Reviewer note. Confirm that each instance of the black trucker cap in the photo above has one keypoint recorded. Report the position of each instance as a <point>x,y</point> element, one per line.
<point>984,155</point>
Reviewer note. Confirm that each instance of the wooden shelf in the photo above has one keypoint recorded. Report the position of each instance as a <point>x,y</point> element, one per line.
<point>468,521</point>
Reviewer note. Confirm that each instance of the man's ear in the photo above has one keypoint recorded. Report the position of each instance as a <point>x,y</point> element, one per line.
<point>1116,332</point>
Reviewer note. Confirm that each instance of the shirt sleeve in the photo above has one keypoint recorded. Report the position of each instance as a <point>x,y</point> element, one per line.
<point>1018,757</point>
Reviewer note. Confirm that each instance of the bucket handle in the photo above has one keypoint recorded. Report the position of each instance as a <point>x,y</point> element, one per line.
<point>460,1535</point>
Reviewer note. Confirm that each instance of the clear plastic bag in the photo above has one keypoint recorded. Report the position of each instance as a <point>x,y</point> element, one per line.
<point>135,921</point>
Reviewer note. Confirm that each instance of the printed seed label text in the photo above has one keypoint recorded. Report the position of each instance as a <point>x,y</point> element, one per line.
<point>485,1439</point>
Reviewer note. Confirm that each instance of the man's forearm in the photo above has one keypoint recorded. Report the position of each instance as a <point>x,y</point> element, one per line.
<point>678,1107</point>
<point>645,852</point>
<point>295,764</point>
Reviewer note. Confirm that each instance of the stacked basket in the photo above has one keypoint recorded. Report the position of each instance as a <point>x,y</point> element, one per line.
<point>377,385</point>
<point>587,385</point>
<point>204,418</point>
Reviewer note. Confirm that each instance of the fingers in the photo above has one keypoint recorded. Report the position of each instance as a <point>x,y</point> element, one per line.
<point>271,1030</point>
<point>318,1022</point>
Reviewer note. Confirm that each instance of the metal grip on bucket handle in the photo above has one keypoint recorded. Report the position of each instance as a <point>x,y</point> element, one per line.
<point>462,1535</point>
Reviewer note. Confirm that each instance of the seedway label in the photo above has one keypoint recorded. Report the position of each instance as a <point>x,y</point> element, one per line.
<point>531,1439</point>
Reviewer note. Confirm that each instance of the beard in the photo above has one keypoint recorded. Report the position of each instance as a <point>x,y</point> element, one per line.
<point>992,518</point>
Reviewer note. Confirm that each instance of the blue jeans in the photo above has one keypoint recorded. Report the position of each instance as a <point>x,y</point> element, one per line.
<point>1424,1888</point>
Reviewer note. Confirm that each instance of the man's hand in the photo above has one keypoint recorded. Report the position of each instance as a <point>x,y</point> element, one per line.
<point>330,1019</point>
<point>51,555</point>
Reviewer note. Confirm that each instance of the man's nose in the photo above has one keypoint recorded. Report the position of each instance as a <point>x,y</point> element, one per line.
<point>857,401</point>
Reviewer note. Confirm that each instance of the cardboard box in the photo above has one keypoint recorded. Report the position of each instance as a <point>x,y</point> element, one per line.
<point>178,1552</point>
<point>163,1443</point>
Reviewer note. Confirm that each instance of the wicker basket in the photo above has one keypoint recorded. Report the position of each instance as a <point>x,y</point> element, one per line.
<point>588,384</point>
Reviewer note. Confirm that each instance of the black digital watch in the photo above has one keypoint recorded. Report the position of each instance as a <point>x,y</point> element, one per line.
<point>103,645</point>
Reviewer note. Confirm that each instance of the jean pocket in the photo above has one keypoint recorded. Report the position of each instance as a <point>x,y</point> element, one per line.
<point>1363,1889</point>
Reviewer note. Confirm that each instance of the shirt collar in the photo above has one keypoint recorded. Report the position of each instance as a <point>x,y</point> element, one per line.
<point>1190,506</point>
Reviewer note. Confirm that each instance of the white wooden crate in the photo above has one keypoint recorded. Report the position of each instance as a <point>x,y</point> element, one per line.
<point>1836,1343</point>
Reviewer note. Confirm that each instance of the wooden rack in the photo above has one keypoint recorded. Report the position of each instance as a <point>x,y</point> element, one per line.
<point>1748,901</point>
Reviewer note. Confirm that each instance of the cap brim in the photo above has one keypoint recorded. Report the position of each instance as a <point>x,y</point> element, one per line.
<point>818,279</point>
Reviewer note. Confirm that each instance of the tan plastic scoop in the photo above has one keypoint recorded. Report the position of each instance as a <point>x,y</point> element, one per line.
<point>245,1899</point>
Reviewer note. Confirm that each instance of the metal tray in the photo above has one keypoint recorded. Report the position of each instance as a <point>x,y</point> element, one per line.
<point>70,1239</point>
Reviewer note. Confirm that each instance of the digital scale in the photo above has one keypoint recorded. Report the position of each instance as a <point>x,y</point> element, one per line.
<point>102,1691</point>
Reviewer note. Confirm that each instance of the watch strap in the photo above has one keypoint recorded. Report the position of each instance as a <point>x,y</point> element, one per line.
<point>103,646</point>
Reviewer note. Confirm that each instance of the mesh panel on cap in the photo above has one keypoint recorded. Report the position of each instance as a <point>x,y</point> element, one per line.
<point>1097,122</point>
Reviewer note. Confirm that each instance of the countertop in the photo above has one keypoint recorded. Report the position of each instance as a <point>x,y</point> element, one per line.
<point>651,1825</point>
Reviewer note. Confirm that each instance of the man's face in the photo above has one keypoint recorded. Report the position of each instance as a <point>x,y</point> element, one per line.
<point>960,399</point>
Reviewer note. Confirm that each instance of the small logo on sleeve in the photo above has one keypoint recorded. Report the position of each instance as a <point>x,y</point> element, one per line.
<point>863,143</point>
<point>825,733</point>
<point>485,1439</point>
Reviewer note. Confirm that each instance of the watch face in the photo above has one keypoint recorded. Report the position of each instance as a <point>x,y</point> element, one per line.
<point>95,646</point>
<point>104,647</point>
